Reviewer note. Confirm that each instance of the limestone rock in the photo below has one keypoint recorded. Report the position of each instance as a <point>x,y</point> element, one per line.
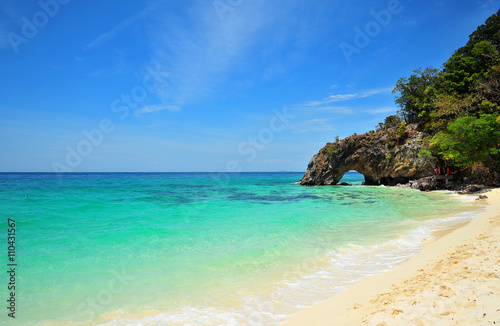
<point>425,184</point>
<point>373,156</point>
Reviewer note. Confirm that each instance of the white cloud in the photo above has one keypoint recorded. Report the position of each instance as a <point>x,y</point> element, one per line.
<point>200,51</point>
<point>337,109</point>
<point>316,125</point>
<point>381,110</point>
<point>348,97</point>
<point>334,109</point>
<point>156,108</point>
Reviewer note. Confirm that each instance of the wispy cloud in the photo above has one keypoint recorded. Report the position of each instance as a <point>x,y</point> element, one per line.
<point>334,109</point>
<point>156,108</point>
<point>9,15</point>
<point>381,110</point>
<point>313,125</point>
<point>486,4</point>
<point>200,51</point>
<point>347,97</point>
<point>334,98</point>
<point>103,38</point>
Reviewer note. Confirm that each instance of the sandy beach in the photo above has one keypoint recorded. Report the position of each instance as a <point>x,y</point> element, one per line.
<point>455,280</point>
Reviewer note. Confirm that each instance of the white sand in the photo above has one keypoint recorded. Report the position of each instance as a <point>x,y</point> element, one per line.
<point>454,281</point>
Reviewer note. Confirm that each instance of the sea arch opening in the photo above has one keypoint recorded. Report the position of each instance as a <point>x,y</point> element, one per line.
<point>368,179</point>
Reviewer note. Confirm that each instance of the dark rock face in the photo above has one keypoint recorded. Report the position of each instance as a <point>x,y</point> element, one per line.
<point>388,181</point>
<point>369,154</point>
<point>425,184</point>
<point>472,189</point>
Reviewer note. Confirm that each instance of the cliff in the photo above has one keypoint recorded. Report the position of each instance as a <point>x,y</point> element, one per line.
<point>382,157</point>
<point>460,110</point>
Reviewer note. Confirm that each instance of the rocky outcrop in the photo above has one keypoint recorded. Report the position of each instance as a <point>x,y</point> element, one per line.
<point>424,184</point>
<point>381,157</point>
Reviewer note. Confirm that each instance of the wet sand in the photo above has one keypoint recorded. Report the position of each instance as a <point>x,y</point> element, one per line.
<point>455,280</point>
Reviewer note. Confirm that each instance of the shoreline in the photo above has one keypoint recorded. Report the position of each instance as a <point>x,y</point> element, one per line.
<point>384,299</point>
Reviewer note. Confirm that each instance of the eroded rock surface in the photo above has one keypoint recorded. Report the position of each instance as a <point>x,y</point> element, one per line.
<point>380,157</point>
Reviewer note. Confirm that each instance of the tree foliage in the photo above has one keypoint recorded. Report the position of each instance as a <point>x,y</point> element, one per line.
<point>469,140</point>
<point>390,122</point>
<point>417,94</point>
<point>459,105</point>
<point>489,31</point>
<point>463,73</point>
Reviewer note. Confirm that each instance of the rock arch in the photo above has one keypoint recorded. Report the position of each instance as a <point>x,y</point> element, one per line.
<point>369,155</point>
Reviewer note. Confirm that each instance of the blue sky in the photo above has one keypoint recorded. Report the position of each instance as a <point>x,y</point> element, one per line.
<point>225,85</point>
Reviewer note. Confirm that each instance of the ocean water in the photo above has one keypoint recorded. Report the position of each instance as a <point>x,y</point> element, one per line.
<point>201,248</point>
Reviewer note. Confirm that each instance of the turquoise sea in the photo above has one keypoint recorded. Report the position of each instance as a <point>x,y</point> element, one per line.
<point>202,248</point>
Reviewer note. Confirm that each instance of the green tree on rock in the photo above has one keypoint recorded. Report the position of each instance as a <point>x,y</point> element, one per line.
<point>470,140</point>
<point>417,94</point>
<point>462,74</point>
<point>489,31</point>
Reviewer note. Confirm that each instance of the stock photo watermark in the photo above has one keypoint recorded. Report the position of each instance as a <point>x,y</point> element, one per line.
<point>265,136</point>
<point>121,106</point>
<point>11,267</point>
<point>30,27</point>
<point>98,303</point>
<point>249,150</point>
<point>364,36</point>
<point>280,298</point>
<point>255,144</point>
<point>225,7</point>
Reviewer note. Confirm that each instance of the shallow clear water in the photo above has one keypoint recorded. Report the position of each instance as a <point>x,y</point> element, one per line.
<point>167,248</point>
